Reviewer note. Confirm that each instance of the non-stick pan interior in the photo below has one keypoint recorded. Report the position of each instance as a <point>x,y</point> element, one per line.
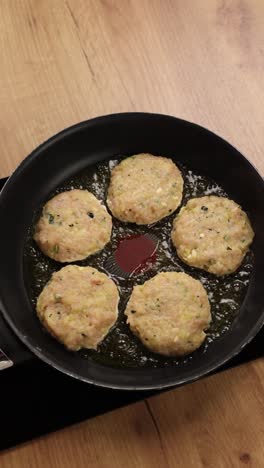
<point>87,144</point>
<point>121,348</point>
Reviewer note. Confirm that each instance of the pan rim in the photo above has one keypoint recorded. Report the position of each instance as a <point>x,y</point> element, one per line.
<point>89,122</point>
<point>210,368</point>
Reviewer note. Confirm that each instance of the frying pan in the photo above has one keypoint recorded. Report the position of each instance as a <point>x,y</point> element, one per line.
<point>94,141</point>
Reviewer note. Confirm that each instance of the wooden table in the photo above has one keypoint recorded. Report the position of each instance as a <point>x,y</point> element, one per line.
<point>202,60</point>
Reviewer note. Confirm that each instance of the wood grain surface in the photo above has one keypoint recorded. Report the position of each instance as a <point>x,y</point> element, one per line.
<point>202,60</point>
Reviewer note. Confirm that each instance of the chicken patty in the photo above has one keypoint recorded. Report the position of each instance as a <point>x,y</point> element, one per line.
<point>169,313</point>
<point>78,306</point>
<point>73,225</point>
<point>144,189</point>
<point>212,233</point>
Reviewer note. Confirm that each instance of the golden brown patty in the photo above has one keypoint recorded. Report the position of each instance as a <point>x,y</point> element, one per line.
<point>78,306</point>
<point>169,313</point>
<point>144,189</point>
<point>212,233</point>
<point>73,225</point>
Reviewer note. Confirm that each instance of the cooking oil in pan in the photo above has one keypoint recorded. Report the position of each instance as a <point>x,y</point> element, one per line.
<point>121,348</point>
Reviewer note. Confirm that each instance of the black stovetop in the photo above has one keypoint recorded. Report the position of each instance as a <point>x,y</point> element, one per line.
<point>34,396</point>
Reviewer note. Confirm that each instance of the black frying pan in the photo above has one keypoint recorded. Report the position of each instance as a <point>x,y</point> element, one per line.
<point>87,144</point>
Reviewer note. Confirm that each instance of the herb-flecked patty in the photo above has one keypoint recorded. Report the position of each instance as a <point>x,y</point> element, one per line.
<point>169,313</point>
<point>212,233</point>
<point>78,306</point>
<point>144,189</point>
<point>73,225</point>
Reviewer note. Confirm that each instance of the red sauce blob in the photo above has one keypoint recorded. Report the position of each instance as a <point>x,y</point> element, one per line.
<point>135,253</point>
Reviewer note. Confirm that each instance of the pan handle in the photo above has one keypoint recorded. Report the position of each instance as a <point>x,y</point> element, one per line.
<point>12,351</point>
<point>5,362</point>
